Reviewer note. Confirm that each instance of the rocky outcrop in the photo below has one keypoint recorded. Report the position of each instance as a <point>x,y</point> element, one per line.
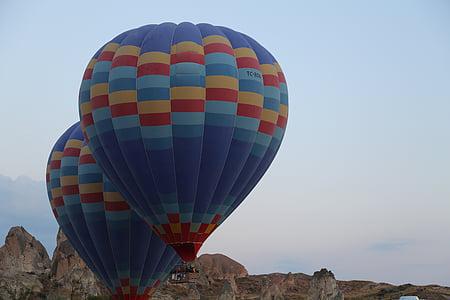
<point>24,266</point>
<point>323,286</point>
<point>219,266</point>
<point>26,273</point>
<point>22,253</point>
<point>70,275</point>
<point>228,290</point>
<point>272,292</point>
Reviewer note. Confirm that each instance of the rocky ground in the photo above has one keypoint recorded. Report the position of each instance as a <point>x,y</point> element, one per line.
<point>27,272</point>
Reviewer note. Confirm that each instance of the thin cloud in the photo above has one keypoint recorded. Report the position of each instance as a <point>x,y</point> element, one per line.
<point>391,245</point>
<point>23,202</point>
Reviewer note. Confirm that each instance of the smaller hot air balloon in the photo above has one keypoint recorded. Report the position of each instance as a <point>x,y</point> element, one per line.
<point>116,244</point>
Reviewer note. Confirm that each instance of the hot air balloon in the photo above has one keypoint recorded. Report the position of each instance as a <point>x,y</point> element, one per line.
<point>116,244</point>
<point>185,120</point>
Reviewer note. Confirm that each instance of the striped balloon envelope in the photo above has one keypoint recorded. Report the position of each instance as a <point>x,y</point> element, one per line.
<point>116,244</point>
<point>185,120</point>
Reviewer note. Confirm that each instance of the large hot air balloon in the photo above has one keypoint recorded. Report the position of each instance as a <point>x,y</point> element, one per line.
<point>116,244</point>
<point>185,120</point>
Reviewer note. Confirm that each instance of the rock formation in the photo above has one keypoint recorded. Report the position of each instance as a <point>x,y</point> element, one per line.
<point>22,253</point>
<point>323,286</point>
<point>228,291</point>
<point>70,274</point>
<point>24,266</point>
<point>219,266</point>
<point>27,273</point>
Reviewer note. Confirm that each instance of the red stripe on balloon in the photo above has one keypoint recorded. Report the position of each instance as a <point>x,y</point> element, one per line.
<point>69,151</point>
<point>185,228</point>
<point>202,228</point>
<point>91,197</point>
<point>281,122</point>
<point>106,56</point>
<point>266,127</point>
<point>87,74</point>
<point>70,190</point>
<point>271,80</point>
<point>116,206</point>
<point>216,219</point>
<point>86,159</point>
<point>155,119</point>
<point>247,62</point>
<point>58,201</point>
<point>248,110</point>
<point>218,47</point>
<point>88,120</point>
<point>191,56</point>
<point>99,101</point>
<point>281,77</point>
<point>124,109</point>
<point>190,105</point>
<point>222,94</point>
<point>153,69</point>
<point>124,60</point>
<point>55,164</point>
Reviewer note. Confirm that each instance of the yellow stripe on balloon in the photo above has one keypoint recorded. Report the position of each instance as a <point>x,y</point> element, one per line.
<point>119,97</point>
<point>74,143</point>
<point>244,52</point>
<point>56,155</point>
<point>283,110</point>
<point>210,228</point>
<point>99,89</point>
<point>269,116</point>
<point>221,82</point>
<point>154,57</point>
<point>187,46</point>
<point>85,150</point>
<point>110,47</point>
<point>269,69</point>
<point>278,67</point>
<point>56,192</point>
<point>91,63</point>
<point>178,93</point>
<point>128,50</point>
<point>87,188</point>
<point>212,39</point>
<point>175,227</point>
<point>154,106</point>
<point>112,197</point>
<point>251,98</point>
<point>85,108</point>
<point>69,180</point>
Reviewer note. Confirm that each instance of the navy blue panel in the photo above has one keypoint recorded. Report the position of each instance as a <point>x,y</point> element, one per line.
<point>155,93</point>
<point>237,156</point>
<point>135,157</point>
<point>136,36</point>
<point>187,169</point>
<point>216,144</point>
<point>159,39</point>
<point>187,32</point>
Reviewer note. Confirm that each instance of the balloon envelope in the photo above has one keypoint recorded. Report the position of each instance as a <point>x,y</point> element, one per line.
<point>116,244</point>
<point>185,120</point>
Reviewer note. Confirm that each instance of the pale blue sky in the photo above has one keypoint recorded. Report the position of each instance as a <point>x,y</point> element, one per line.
<point>361,183</point>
